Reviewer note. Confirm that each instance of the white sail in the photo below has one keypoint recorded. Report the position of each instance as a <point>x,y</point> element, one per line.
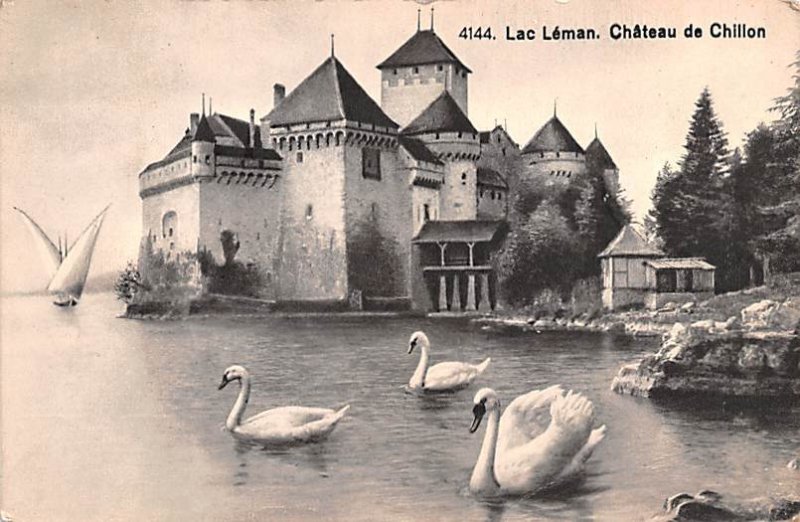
<point>71,275</point>
<point>49,254</point>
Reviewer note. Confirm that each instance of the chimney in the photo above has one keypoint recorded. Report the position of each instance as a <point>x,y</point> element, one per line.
<point>194,119</point>
<point>278,93</point>
<point>252,128</point>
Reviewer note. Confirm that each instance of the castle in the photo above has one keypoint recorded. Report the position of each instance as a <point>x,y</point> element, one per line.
<point>330,185</point>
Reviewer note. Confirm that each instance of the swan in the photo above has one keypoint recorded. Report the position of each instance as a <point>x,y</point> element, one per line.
<point>442,377</point>
<point>542,440</point>
<point>284,425</point>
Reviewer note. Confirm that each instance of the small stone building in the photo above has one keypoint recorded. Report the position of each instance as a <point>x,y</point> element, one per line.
<point>623,264</point>
<point>678,280</point>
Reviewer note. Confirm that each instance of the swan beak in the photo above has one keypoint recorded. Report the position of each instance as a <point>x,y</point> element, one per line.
<point>478,411</point>
<point>224,382</point>
<point>411,346</point>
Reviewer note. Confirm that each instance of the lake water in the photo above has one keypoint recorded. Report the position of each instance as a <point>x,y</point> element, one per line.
<point>111,419</point>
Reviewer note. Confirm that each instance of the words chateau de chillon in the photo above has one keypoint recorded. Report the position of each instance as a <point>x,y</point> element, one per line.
<point>334,198</point>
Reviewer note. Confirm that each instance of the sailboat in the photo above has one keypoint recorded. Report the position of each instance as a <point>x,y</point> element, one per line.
<point>67,268</point>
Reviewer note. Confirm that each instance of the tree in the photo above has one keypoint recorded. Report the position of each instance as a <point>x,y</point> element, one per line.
<point>691,205</point>
<point>373,265</point>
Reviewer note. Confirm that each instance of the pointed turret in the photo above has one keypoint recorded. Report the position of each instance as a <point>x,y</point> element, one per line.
<point>204,132</point>
<point>552,137</point>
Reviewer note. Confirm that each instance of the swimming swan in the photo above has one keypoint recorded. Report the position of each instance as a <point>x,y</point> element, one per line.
<point>542,440</point>
<point>442,377</point>
<point>284,425</point>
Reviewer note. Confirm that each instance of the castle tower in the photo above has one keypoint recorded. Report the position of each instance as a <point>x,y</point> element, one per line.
<point>342,178</point>
<point>554,154</point>
<point>203,150</point>
<point>417,73</point>
<point>447,132</point>
<point>597,156</point>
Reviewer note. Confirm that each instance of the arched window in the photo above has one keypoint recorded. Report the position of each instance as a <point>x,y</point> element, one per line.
<point>169,224</point>
<point>309,211</point>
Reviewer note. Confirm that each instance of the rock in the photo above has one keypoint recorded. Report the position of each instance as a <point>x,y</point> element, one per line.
<point>784,509</point>
<point>752,359</point>
<point>669,307</point>
<point>794,464</point>
<point>688,307</point>
<point>757,315</point>
<point>706,324</point>
<point>672,502</point>
<point>701,510</point>
<point>786,316</point>
<point>733,323</point>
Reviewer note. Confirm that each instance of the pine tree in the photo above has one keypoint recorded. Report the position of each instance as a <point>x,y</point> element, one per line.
<point>691,205</point>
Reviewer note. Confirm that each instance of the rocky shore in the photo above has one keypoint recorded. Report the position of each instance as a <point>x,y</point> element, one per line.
<point>754,356</point>
<point>711,506</point>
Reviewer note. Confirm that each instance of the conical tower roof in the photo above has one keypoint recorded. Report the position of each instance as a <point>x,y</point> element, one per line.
<point>552,137</point>
<point>330,93</point>
<point>596,151</point>
<point>421,49</point>
<point>442,115</point>
<point>204,131</point>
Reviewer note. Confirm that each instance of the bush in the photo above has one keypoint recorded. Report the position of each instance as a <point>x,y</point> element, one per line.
<point>128,284</point>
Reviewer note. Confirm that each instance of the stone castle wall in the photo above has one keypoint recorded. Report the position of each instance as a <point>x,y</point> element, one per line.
<point>384,202</point>
<point>311,248</point>
<point>182,204</point>
<point>559,169</point>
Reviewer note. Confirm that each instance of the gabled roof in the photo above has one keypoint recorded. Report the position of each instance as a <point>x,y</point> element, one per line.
<point>418,150</point>
<point>552,137</point>
<point>460,231</point>
<point>491,178</point>
<point>442,115</point>
<point>421,49</point>
<point>597,152</point>
<point>329,93</point>
<point>629,243</point>
<point>204,131</point>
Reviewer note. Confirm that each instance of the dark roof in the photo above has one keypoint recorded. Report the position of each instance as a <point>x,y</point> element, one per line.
<point>241,129</point>
<point>697,263</point>
<point>597,152</point>
<point>184,144</point>
<point>422,48</point>
<point>552,137</point>
<point>204,131</point>
<point>629,243</point>
<point>418,150</point>
<point>460,231</point>
<point>491,178</point>
<point>442,115</point>
<point>329,93</point>
<point>239,152</point>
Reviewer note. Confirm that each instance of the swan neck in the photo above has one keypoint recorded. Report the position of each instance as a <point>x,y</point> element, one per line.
<point>483,479</point>
<point>235,416</point>
<point>418,379</point>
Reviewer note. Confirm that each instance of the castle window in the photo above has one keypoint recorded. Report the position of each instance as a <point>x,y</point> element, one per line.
<point>194,158</point>
<point>439,68</point>
<point>558,154</point>
<point>459,134</point>
<point>394,72</point>
<point>426,211</point>
<point>373,210</point>
<point>437,135</point>
<point>463,178</point>
<point>416,70</point>
<point>208,159</point>
<point>371,163</point>
<point>309,211</point>
<point>481,192</point>
<point>504,151</point>
<point>541,154</point>
<point>299,157</point>
<point>499,195</point>
<point>169,223</point>
<point>464,74</point>
<point>172,246</point>
<point>492,194</point>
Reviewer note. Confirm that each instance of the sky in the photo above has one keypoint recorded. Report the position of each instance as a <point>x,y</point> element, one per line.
<point>94,91</point>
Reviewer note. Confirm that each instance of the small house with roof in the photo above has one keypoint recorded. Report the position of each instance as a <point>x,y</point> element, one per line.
<point>678,280</point>
<point>624,272</point>
<point>636,273</point>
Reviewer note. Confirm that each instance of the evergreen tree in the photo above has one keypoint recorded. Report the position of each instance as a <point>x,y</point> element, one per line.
<point>691,206</point>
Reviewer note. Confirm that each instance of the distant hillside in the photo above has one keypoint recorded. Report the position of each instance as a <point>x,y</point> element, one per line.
<point>103,282</point>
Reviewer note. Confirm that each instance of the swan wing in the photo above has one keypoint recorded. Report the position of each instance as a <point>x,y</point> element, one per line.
<point>452,375</point>
<point>290,424</point>
<point>526,417</point>
<point>543,461</point>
